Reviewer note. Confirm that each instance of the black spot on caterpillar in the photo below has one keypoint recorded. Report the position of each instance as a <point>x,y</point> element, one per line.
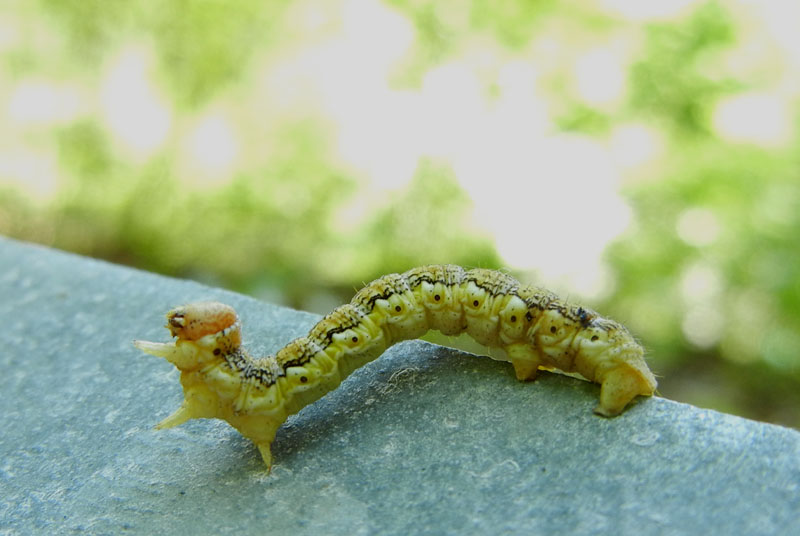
<point>534,327</point>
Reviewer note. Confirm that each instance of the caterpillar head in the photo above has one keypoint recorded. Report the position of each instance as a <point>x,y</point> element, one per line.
<point>196,320</point>
<point>204,331</point>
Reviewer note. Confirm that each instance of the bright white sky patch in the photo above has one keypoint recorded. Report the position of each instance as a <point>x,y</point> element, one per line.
<point>600,76</point>
<point>9,32</point>
<point>35,172</point>
<point>635,144</point>
<point>39,102</point>
<point>374,30</point>
<point>758,118</point>
<point>345,76</point>
<point>374,121</point>
<point>211,151</point>
<point>646,10</point>
<point>550,202</point>
<point>451,109</point>
<point>134,111</point>
<point>780,19</point>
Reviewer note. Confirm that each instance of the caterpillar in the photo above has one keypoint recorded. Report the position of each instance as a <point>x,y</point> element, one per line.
<point>533,326</point>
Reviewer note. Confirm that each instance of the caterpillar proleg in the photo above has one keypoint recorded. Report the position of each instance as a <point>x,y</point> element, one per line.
<point>534,327</point>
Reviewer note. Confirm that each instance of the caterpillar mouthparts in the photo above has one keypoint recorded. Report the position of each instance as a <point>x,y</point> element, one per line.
<point>534,327</point>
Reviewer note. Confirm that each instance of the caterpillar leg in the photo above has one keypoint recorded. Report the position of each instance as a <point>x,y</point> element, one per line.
<point>266,454</point>
<point>525,370</point>
<point>618,388</point>
<point>261,430</point>
<point>525,361</point>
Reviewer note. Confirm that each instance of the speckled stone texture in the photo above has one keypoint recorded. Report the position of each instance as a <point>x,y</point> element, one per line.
<point>425,440</point>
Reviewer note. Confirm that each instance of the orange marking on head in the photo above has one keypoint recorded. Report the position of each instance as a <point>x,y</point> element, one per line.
<point>196,320</point>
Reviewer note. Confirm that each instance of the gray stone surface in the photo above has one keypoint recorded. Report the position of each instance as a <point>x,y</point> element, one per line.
<point>423,440</point>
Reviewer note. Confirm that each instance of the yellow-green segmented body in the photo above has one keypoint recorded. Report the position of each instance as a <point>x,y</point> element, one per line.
<point>534,327</point>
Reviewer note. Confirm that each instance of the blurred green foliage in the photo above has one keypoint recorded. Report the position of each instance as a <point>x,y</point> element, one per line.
<point>719,313</point>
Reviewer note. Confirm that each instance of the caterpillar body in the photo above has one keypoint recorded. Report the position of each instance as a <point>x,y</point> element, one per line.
<point>534,327</point>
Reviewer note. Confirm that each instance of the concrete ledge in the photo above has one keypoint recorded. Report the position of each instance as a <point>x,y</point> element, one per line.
<point>423,440</point>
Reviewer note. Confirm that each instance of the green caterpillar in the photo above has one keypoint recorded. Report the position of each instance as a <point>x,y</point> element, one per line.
<point>535,328</point>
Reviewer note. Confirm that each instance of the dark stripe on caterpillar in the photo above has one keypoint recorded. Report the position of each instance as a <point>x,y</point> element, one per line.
<point>534,327</point>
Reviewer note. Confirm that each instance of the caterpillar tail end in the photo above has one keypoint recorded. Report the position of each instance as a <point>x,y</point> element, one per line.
<point>619,387</point>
